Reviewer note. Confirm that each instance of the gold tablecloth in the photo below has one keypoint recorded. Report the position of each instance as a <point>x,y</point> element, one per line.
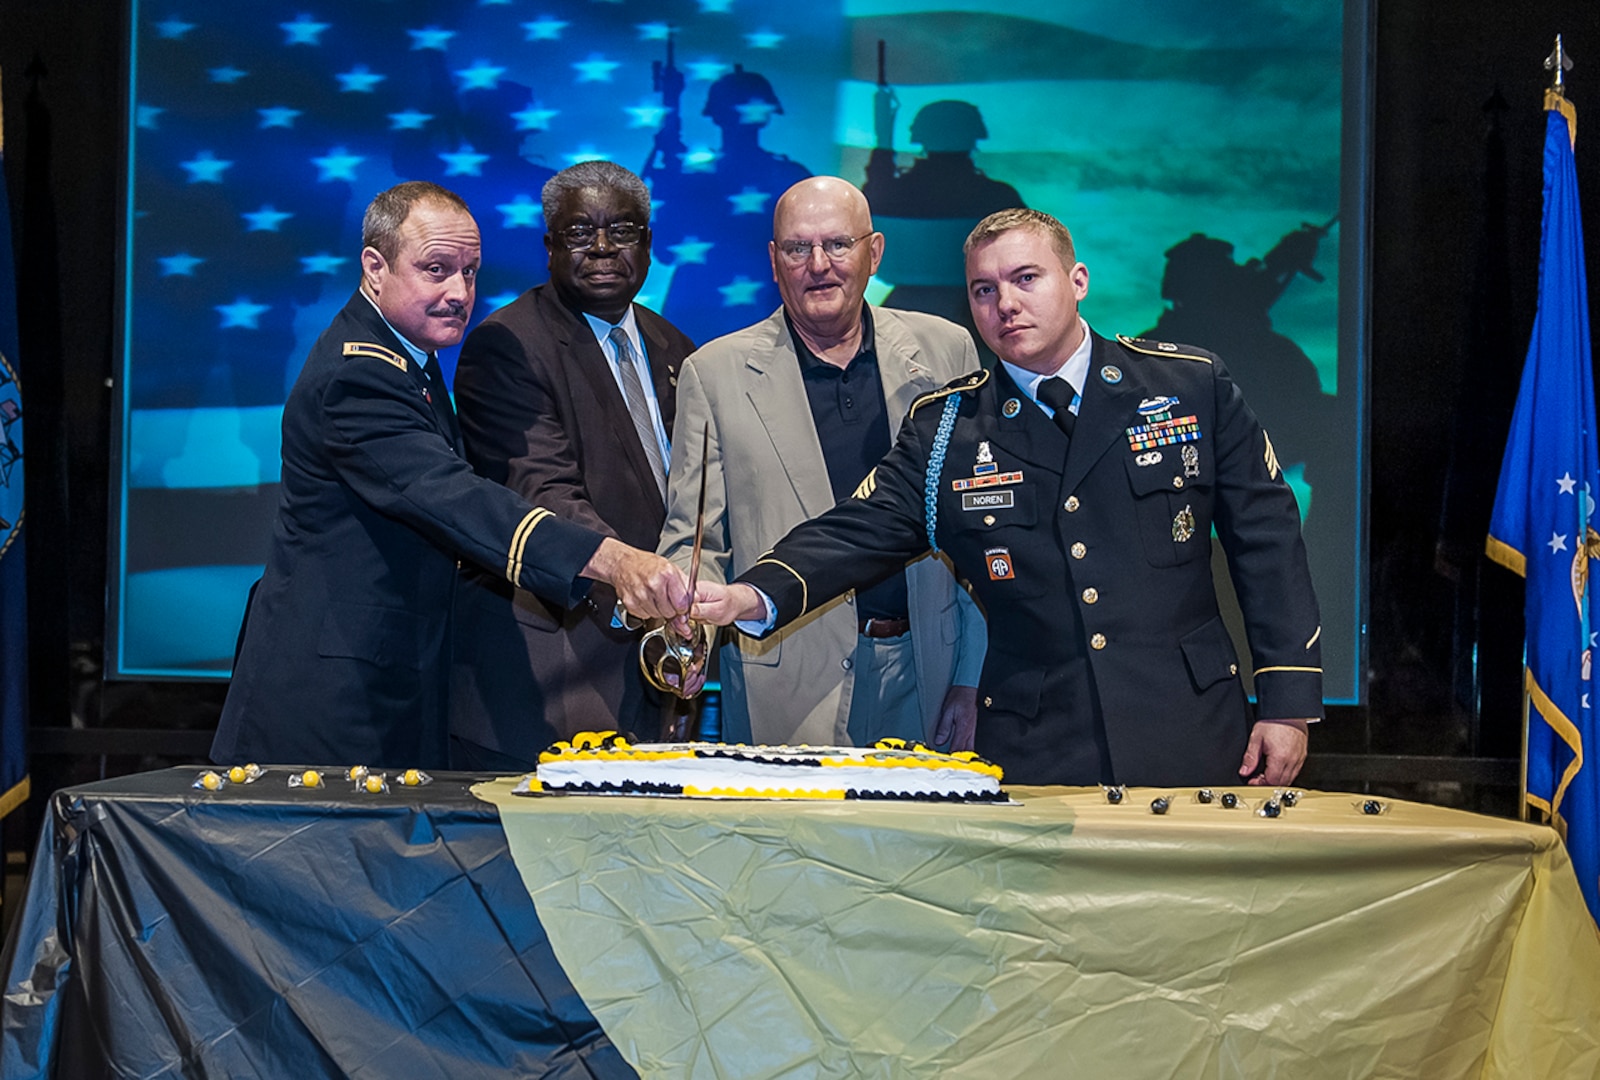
<point>1064,937</point>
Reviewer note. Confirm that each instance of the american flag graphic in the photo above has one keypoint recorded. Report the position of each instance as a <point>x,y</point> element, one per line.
<point>259,132</point>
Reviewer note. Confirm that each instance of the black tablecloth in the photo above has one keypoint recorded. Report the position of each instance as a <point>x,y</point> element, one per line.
<point>264,931</point>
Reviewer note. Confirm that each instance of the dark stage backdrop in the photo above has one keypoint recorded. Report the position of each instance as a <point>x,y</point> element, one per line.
<point>1206,154</point>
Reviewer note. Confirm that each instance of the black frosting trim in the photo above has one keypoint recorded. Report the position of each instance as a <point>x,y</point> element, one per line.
<point>910,796</point>
<point>759,759</point>
<point>626,787</point>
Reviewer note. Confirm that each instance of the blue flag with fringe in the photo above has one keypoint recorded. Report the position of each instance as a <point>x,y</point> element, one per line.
<point>1544,528</point>
<point>13,579</point>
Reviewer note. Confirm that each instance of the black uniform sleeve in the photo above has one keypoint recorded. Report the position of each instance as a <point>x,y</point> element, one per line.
<point>859,541</point>
<point>1258,523</point>
<point>381,438</point>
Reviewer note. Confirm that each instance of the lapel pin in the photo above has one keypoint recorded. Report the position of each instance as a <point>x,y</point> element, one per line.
<point>1111,374</point>
<point>1011,408</point>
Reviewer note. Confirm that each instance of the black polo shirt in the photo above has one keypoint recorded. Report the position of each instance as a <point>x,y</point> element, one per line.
<point>852,420</point>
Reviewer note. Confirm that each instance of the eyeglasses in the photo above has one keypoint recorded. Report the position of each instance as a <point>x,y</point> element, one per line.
<point>582,237</point>
<point>835,248</point>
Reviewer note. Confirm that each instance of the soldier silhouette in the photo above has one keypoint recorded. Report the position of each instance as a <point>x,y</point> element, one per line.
<point>726,203</point>
<point>1225,306</point>
<point>473,145</point>
<point>926,211</point>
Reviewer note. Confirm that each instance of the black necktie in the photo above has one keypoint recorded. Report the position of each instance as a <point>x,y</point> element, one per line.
<point>1058,393</point>
<point>439,397</point>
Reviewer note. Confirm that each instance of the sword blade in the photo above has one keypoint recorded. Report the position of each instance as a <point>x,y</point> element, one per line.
<point>700,515</point>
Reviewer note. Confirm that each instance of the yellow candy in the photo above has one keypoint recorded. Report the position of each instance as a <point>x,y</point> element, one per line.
<point>411,778</point>
<point>237,774</point>
<point>311,778</point>
<point>374,784</point>
<point>211,781</point>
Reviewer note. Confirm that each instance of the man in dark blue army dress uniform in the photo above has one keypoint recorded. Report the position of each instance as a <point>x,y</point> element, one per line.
<point>1076,488</point>
<point>346,643</point>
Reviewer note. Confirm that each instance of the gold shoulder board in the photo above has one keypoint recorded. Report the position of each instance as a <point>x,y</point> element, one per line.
<point>376,352</point>
<point>1164,349</point>
<point>966,382</point>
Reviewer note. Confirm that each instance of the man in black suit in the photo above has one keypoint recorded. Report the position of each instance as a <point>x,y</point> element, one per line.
<point>344,654</point>
<point>567,397</point>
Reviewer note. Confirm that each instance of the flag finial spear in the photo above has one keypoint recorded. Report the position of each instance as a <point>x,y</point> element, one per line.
<point>1558,63</point>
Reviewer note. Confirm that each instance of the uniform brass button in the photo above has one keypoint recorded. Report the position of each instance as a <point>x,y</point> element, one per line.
<point>1072,504</point>
<point>988,519</point>
<point>1177,481</point>
<point>1091,595</point>
<point>1233,669</point>
<point>847,663</point>
<point>1079,551</point>
<point>1097,642</point>
<point>988,703</point>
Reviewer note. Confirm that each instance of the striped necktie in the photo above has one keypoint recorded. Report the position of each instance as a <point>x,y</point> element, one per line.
<point>638,406</point>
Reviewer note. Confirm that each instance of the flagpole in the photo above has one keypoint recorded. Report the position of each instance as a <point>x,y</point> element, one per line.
<point>1558,63</point>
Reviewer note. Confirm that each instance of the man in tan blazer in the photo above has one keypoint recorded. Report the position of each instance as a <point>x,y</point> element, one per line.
<point>799,408</point>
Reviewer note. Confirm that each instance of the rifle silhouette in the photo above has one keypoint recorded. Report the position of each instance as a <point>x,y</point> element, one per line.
<point>885,105</point>
<point>666,153</point>
<point>1292,255</point>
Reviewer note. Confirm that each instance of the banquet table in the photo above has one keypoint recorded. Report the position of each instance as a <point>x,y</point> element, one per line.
<point>458,930</point>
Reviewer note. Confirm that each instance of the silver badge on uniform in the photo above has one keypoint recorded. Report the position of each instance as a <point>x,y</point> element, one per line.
<point>1011,408</point>
<point>1191,460</point>
<point>1111,374</point>
<point>985,463</point>
<point>1183,525</point>
<point>1149,457</point>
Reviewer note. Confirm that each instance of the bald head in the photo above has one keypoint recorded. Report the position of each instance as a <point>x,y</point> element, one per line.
<point>822,194</point>
<point>823,292</point>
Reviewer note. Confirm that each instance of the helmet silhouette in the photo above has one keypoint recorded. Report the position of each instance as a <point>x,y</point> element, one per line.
<point>739,87</point>
<point>948,127</point>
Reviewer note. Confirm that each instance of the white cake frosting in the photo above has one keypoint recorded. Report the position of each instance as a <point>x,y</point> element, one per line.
<point>604,763</point>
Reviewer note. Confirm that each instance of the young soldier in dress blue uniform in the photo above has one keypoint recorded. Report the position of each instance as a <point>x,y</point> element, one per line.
<point>1076,488</point>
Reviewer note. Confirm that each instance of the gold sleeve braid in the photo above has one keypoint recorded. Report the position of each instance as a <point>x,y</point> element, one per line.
<point>805,591</point>
<point>519,542</point>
